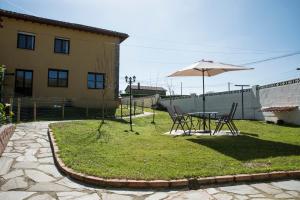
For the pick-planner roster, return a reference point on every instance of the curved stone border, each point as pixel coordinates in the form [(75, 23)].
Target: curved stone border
[(192, 183), (6, 132)]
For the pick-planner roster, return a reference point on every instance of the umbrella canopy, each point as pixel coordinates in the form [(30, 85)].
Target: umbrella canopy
[(206, 68), (209, 68)]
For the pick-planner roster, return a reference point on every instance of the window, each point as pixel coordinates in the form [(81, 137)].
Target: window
[(61, 46), (57, 78), (26, 41), (95, 80), (23, 82)]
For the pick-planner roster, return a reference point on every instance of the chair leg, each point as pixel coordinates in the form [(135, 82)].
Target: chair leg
[(220, 128), (217, 127), (235, 128), (172, 127), (182, 126), (230, 128), (177, 126), (187, 124)]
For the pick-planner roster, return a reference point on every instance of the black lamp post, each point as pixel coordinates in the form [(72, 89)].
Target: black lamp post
[(242, 86), (130, 80)]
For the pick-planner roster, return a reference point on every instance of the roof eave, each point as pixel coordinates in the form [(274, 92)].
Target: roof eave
[(80, 27)]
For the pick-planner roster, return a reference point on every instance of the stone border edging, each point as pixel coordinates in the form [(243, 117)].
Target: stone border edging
[(6, 131), (192, 183)]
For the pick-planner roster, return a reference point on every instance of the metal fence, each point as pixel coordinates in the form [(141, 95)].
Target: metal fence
[(54, 109)]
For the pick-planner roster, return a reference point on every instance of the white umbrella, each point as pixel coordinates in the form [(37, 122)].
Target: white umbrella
[(207, 68)]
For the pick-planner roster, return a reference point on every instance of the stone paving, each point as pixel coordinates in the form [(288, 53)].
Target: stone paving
[(27, 172)]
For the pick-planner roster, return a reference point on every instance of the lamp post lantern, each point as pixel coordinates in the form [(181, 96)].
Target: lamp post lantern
[(130, 80)]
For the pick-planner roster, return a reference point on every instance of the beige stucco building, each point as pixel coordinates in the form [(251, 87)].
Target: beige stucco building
[(46, 58)]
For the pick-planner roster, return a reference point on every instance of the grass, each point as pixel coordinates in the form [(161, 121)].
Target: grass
[(147, 153)]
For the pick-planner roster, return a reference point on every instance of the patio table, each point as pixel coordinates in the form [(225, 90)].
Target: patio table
[(203, 116)]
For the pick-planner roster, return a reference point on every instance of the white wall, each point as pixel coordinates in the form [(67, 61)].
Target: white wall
[(286, 93)]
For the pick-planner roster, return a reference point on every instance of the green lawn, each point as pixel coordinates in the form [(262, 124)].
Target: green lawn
[(148, 154)]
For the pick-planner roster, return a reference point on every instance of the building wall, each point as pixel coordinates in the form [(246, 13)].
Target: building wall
[(286, 93), (89, 52)]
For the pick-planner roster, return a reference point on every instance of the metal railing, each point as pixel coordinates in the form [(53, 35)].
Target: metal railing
[(55, 109)]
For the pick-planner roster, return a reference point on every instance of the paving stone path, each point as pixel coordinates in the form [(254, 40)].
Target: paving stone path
[(27, 172)]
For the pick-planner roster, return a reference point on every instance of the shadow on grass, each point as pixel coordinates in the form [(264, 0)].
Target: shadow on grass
[(289, 125), (250, 134), (246, 148)]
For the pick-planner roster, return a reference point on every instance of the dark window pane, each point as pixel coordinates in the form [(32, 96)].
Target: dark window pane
[(19, 82), (58, 78), (63, 75), (95, 80), (28, 75), (91, 84), (99, 77), (52, 82), (65, 46), (21, 41), (91, 77), (99, 85), (30, 42), (28, 80), (20, 74), (53, 74), (25, 41), (57, 45), (27, 83), (62, 83), (61, 46)]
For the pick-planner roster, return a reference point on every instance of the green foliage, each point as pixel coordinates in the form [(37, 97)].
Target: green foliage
[(2, 70), (5, 114), (150, 154)]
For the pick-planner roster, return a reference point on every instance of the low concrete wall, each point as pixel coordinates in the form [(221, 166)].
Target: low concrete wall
[(146, 101), (286, 93), (6, 132)]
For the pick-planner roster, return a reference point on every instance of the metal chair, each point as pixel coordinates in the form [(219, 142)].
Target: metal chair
[(228, 120), (186, 116), (180, 120)]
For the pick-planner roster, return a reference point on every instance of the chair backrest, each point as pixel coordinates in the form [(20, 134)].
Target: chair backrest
[(232, 111), (178, 110), (171, 112)]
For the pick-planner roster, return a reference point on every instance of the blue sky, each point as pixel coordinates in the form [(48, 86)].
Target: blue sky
[(166, 35)]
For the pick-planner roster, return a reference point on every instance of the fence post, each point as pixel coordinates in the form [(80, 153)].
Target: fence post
[(34, 111), (134, 107), (87, 111), (63, 109), (121, 110), (19, 110)]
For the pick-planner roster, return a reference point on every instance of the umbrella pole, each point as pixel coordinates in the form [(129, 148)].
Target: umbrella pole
[(203, 96)]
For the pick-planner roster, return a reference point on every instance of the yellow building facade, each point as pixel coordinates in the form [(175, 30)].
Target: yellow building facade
[(46, 58)]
